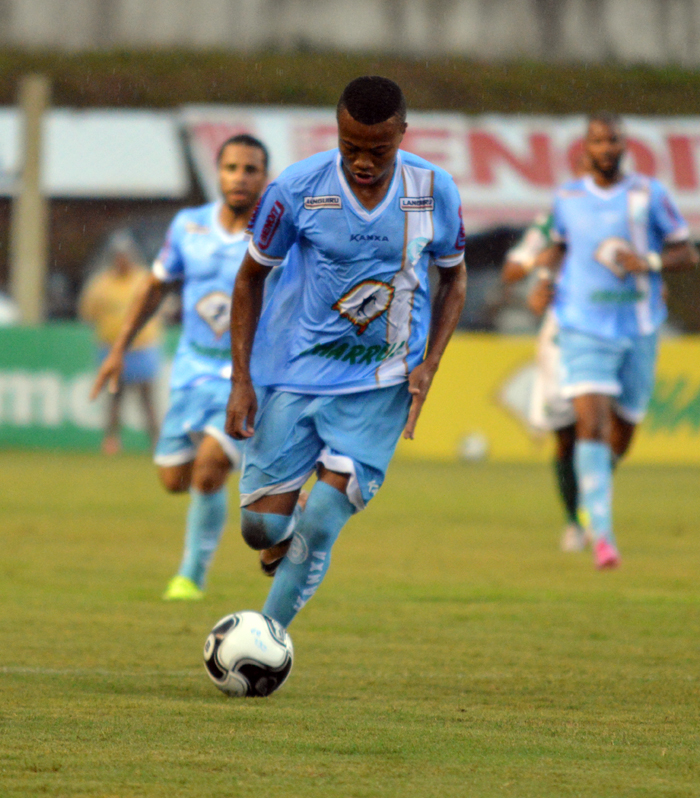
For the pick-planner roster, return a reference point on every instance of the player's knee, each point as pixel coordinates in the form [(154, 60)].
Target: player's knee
[(174, 480), (263, 530), (209, 477)]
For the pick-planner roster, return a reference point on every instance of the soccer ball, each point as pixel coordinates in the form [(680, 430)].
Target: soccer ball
[(248, 654)]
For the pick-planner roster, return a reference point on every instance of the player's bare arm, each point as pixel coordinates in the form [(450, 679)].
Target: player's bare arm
[(245, 312), (547, 263), (675, 257), (145, 303), (447, 306)]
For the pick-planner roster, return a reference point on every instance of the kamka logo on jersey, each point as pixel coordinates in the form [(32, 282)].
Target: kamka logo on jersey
[(364, 303), (271, 224), (215, 310), (409, 204), (369, 237), (319, 203)]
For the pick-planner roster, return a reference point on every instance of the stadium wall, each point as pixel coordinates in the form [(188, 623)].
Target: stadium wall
[(477, 407), (629, 31)]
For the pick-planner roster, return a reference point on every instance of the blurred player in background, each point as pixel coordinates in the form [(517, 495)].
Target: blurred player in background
[(614, 234), (104, 303), (203, 249), (338, 365), (549, 410)]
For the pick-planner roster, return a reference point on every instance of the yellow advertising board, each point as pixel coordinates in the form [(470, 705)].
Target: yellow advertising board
[(478, 404)]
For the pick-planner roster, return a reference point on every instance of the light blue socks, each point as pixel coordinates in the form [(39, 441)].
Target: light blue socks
[(593, 461), (205, 523), (302, 570)]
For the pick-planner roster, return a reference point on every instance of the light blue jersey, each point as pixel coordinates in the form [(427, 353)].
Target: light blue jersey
[(594, 295), (206, 258), (351, 310)]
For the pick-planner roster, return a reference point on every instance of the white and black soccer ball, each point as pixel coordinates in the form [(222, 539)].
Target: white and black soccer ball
[(248, 654)]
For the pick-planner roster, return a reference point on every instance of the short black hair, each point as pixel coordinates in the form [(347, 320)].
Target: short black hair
[(609, 118), (247, 141), (373, 99)]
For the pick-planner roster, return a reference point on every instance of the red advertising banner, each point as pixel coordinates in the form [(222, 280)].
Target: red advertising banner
[(506, 167)]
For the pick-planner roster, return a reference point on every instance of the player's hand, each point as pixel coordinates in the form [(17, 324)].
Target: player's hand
[(110, 373), (541, 296), (419, 382), (632, 263), (240, 411)]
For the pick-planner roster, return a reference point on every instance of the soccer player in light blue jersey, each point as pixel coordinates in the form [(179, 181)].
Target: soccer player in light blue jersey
[(203, 250), (616, 233), (327, 376)]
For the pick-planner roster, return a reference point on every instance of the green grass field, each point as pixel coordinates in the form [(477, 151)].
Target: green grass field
[(452, 650)]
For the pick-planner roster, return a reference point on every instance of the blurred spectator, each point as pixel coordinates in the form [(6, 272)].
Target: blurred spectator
[(104, 303)]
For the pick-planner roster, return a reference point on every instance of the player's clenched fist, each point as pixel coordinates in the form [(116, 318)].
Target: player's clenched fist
[(240, 411)]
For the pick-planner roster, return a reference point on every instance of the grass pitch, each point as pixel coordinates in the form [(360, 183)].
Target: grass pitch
[(452, 650)]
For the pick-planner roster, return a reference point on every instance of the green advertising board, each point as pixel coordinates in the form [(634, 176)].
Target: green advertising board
[(46, 374)]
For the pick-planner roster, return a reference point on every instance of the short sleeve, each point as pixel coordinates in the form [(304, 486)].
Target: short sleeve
[(169, 265), (666, 217), (448, 244), (272, 230)]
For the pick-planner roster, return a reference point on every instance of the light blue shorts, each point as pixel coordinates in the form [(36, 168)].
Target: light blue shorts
[(140, 365), (192, 413), (352, 433), (623, 368)]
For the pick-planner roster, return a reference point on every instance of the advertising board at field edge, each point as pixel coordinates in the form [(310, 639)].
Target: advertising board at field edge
[(477, 407), (506, 167)]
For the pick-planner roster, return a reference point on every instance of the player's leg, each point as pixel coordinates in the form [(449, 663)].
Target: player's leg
[(206, 516), (197, 414), (111, 443), (303, 568), (593, 462), (551, 412), (145, 390), (637, 376), (360, 432), (279, 459), (590, 376), (575, 538)]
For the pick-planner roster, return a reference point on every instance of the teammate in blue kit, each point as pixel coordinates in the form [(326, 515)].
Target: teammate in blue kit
[(337, 365), (616, 232), (203, 249)]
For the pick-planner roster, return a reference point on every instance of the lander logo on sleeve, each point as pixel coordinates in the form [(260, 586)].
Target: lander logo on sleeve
[(271, 224), (417, 204), (364, 303), (319, 203)]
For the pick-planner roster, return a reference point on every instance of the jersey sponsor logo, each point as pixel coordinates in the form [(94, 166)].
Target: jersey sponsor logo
[(355, 354), (365, 302), (364, 237), (409, 204), (318, 203), (271, 224), (215, 310), (607, 253), (197, 229)]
